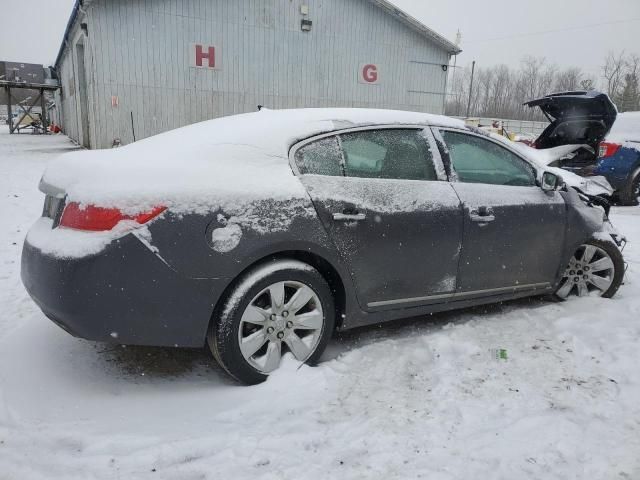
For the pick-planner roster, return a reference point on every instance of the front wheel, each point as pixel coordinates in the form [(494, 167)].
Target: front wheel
[(285, 306), (597, 267)]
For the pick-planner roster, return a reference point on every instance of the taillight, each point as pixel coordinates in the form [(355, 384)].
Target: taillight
[(98, 219), (608, 149)]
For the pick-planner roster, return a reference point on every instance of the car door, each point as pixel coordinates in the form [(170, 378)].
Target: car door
[(395, 222), (513, 230)]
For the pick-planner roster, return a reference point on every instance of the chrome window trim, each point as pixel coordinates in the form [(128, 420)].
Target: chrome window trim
[(424, 129), (461, 295), (536, 168)]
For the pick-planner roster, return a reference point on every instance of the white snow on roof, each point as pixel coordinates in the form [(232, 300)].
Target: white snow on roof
[(626, 128), (417, 25), (242, 157)]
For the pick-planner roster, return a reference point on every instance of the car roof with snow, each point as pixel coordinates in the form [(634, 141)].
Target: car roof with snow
[(241, 155), (274, 131), (626, 128)]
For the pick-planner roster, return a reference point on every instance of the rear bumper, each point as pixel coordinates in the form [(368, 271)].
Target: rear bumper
[(125, 294)]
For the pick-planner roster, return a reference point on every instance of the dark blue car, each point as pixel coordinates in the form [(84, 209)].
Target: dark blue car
[(620, 158)]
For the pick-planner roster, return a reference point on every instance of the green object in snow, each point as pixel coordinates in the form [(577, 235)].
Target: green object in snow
[(499, 353)]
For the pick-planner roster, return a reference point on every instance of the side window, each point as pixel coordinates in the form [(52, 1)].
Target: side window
[(477, 160), (322, 157), (389, 153)]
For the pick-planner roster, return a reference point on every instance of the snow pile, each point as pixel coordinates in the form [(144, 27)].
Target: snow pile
[(226, 238), (223, 161), (626, 128), (383, 196), (545, 157), (68, 243), (425, 398)]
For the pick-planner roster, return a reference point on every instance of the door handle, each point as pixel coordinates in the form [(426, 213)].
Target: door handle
[(349, 217), (482, 215), (482, 218)]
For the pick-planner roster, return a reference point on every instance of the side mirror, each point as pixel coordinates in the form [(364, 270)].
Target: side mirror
[(550, 182)]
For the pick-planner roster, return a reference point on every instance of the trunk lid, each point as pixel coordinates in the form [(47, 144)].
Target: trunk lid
[(576, 118)]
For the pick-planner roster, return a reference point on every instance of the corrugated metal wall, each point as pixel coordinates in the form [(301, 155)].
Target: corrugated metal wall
[(67, 105), (139, 52)]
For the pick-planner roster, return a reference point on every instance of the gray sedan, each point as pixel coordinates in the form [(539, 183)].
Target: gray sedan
[(339, 219)]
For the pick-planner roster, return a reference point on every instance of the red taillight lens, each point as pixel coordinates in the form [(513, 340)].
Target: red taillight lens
[(98, 219), (608, 149)]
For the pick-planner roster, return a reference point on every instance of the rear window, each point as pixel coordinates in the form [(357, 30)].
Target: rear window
[(399, 154), (322, 157)]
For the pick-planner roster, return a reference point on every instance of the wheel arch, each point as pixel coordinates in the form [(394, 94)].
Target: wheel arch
[(338, 285)]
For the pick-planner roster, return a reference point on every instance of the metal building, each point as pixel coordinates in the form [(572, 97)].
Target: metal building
[(133, 68)]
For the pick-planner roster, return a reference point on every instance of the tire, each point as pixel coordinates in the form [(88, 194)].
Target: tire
[(629, 195), (267, 310), (594, 273)]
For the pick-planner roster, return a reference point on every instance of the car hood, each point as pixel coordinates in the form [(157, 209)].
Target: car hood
[(576, 117)]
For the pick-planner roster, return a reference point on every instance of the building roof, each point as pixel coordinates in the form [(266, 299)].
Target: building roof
[(414, 23), (65, 39), (387, 6)]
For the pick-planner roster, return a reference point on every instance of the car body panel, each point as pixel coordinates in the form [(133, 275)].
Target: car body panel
[(407, 245), (125, 294), (518, 248), (621, 167)]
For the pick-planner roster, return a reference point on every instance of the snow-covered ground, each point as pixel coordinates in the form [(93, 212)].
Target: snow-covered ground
[(424, 398)]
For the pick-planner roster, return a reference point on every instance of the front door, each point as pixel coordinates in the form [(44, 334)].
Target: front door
[(513, 230), (396, 224)]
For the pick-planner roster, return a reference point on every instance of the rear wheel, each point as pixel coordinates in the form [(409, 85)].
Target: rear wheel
[(277, 308), (631, 193), (597, 267)]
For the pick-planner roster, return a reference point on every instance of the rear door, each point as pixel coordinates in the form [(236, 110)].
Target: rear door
[(513, 230), (396, 223)]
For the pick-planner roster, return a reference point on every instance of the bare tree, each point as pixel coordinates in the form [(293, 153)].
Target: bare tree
[(629, 98), (568, 80), (613, 71), (500, 91), (587, 84)]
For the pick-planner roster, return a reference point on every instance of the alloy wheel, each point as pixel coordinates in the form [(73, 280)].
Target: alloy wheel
[(591, 269), (285, 316)]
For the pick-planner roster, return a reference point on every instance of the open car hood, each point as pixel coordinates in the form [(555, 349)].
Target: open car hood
[(576, 118), (598, 186)]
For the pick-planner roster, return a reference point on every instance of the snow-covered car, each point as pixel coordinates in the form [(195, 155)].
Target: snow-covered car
[(260, 234)]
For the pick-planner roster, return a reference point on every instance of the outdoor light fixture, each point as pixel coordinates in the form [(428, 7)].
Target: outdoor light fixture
[(305, 25)]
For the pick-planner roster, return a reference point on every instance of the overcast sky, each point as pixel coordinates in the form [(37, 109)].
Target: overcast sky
[(578, 32)]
